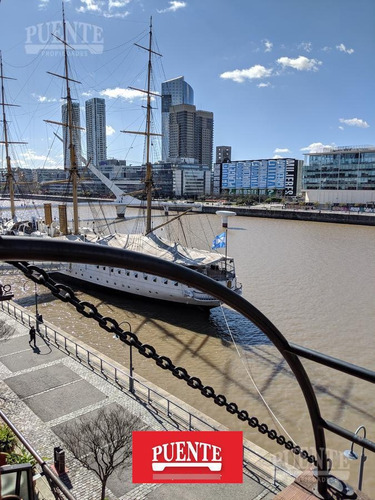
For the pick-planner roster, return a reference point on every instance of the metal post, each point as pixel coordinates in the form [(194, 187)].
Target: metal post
[(36, 307), (361, 467), (131, 380), (351, 455)]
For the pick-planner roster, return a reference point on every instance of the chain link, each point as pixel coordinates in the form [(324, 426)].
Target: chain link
[(66, 294)]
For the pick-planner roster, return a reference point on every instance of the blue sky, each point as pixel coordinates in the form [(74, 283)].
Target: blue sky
[(281, 76)]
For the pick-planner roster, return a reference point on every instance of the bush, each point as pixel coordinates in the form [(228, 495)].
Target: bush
[(7, 439)]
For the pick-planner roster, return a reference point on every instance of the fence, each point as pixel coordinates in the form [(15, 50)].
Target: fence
[(179, 417)]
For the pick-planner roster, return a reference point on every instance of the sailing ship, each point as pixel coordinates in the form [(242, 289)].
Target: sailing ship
[(215, 265)]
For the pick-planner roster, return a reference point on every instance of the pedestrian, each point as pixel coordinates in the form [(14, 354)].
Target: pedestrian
[(32, 334)]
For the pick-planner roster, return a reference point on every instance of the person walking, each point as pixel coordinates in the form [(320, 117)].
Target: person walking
[(32, 334)]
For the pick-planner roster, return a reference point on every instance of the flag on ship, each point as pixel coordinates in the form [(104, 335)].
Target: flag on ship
[(220, 241)]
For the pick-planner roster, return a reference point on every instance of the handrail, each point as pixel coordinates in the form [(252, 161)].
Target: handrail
[(21, 248), (171, 409), (47, 471)]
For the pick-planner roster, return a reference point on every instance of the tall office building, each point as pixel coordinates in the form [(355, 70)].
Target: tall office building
[(190, 134), (96, 141), (204, 137), (173, 93), (76, 134), (223, 154)]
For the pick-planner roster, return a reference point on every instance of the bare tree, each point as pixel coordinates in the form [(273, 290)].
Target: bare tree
[(102, 444)]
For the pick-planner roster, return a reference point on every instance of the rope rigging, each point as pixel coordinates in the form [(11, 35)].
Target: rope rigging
[(87, 309)]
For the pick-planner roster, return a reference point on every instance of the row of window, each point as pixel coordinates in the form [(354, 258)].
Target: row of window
[(135, 274)]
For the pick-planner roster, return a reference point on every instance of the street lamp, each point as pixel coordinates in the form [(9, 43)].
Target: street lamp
[(352, 455), (36, 307), (38, 317), (131, 368)]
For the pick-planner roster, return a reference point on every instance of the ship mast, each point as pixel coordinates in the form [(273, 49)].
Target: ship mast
[(6, 142), (148, 133), (73, 170)]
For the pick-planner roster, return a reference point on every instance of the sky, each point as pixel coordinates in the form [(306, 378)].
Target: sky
[(282, 77)]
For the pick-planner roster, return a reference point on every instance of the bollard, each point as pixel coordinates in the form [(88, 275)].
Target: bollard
[(59, 460)]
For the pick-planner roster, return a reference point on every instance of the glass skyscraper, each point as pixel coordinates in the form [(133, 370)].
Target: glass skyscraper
[(96, 140), (173, 93)]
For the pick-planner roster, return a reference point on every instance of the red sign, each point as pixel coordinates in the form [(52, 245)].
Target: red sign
[(187, 457)]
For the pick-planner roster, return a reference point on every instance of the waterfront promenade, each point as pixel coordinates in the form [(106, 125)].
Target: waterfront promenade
[(60, 380)]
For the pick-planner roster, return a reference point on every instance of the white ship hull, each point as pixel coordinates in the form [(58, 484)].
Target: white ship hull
[(140, 284), (213, 265)]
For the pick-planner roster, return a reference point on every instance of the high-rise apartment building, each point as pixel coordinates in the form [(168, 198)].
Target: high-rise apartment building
[(190, 134), (173, 93), (223, 154), (96, 141), (76, 134), (204, 137)]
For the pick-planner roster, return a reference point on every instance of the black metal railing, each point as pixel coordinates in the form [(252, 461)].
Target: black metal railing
[(20, 249)]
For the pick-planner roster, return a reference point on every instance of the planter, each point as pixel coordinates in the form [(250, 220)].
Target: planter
[(3, 458)]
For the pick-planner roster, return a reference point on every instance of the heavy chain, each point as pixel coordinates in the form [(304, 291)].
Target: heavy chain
[(66, 294)]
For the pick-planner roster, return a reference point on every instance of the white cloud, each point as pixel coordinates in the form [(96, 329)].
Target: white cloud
[(109, 130), (282, 150), (317, 147), (105, 8), (127, 94), (341, 127), (354, 122), (268, 45), (253, 73), (91, 6), (117, 4), (38, 161), (301, 63), (43, 4), (43, 98), (119, 15), (87, 94), (306, 46), (276, 157), (342, 48), (263, 85), (173, 6)]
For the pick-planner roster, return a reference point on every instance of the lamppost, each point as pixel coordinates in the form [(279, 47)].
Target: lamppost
[(352, 455), (131, 368), (38, 318), (36, 307)]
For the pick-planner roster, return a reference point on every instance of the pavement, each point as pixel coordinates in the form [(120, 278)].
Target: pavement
[(42, 388)]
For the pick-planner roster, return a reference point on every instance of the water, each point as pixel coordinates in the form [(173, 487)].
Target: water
[(314, 281)]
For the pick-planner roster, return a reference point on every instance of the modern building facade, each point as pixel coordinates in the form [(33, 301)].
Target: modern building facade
[(191, 181), (173, 92), (96, 141), (76, 134), (181, 179), (278, 177), (190, 134), (204, 137), (340, 175), (223, 154)]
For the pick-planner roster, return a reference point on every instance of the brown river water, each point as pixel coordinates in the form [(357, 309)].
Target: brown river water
[(314, 281)]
